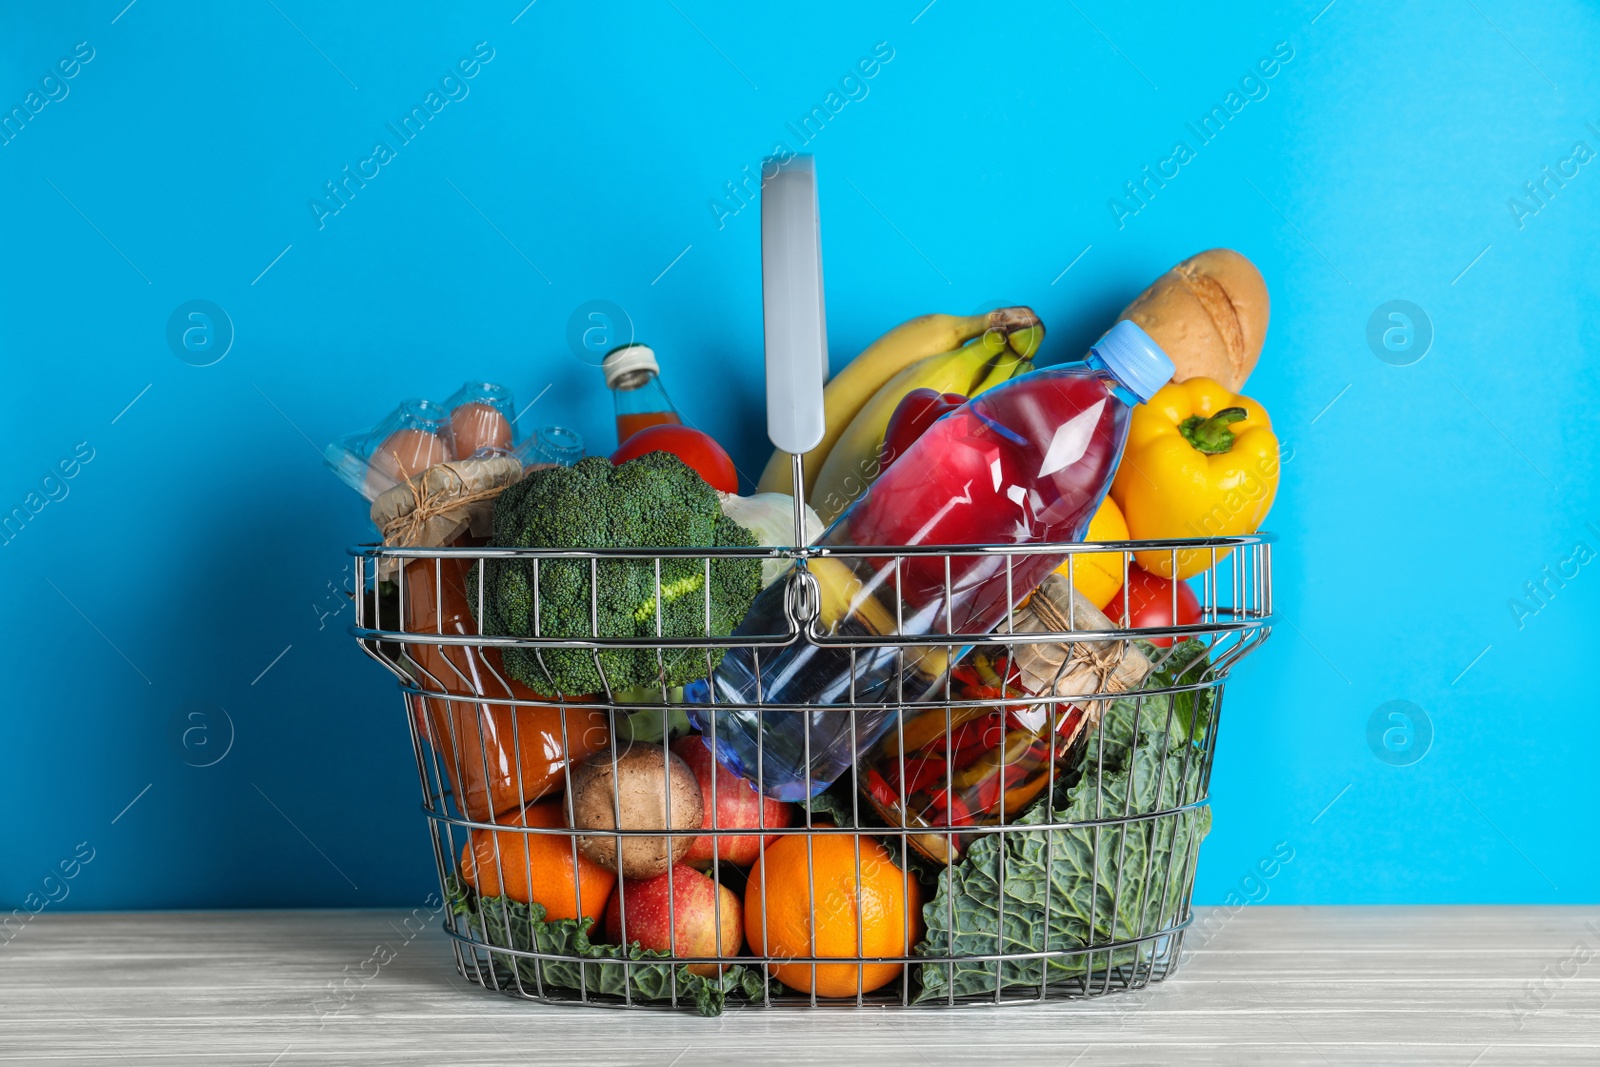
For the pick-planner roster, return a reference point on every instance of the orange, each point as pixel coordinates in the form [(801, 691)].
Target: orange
[(1098, 575), (537, 868), (782, 900)]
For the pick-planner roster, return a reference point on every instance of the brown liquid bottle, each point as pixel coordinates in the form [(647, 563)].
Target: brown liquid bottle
[(498, 757), (634, 378)]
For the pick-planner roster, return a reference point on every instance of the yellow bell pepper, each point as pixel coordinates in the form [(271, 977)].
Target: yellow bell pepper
[(1098, 575), (1201, 461)]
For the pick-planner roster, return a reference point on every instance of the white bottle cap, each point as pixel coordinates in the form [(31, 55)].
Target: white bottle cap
[(626, 360)]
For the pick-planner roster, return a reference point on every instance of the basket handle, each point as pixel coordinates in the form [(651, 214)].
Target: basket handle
[(796, 332)]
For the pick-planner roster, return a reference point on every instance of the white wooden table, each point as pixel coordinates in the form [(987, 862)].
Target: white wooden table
[(1273, 985)]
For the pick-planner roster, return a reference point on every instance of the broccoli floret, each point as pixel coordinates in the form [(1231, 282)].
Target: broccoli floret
[(654, 501)]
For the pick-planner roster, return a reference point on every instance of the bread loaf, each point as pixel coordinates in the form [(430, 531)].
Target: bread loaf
[(1209, 313)]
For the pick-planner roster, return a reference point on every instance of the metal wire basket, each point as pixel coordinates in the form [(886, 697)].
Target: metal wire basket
[(1082, 889)]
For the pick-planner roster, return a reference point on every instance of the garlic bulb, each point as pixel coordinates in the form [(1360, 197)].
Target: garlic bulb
[(770, 517)]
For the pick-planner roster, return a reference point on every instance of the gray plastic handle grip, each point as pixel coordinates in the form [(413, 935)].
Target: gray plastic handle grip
[(792, 306)]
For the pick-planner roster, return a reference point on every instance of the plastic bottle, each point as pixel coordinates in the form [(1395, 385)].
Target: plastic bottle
[(480, 419), (1024, 463), (550, 446), (409, 440), (634, 378)]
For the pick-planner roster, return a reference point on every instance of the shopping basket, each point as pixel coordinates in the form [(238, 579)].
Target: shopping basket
[(1079, 889)]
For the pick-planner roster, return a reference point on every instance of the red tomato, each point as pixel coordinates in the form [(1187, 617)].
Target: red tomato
[(1151, 599), (693, 447)]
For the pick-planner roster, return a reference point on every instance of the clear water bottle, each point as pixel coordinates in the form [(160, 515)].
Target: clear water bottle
[(1024, 463)]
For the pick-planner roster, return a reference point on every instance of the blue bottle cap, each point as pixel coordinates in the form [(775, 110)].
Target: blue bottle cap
[(1135, 359)]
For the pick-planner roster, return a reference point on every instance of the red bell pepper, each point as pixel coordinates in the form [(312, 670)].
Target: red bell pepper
[(881, 791), (973, 739), (916, 411), (987, 794), (966, 676), (921, 772), (953, 809)]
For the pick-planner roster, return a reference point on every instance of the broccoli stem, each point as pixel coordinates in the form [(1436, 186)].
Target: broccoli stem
[(670, 591)]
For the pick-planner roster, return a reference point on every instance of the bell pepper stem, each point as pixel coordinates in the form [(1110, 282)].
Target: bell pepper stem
[(1212, 435)]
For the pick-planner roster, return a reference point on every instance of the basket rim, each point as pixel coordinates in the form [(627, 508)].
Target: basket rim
[(1248, 624), (598, 702), (373, 550)]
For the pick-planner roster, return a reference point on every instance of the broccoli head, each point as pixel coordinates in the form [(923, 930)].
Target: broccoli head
[(654, 501)]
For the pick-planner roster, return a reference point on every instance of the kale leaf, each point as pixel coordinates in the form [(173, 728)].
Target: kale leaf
[(599, 969), (837, 803)]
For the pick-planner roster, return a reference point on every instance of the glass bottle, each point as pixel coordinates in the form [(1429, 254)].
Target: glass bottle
[(634, 378)]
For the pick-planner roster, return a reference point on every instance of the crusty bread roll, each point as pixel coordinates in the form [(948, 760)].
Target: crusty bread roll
[(1209, 313)]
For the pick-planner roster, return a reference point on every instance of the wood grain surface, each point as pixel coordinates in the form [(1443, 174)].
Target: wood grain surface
[(1274, 985)]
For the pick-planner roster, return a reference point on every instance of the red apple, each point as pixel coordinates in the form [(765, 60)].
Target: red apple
[(694, 904), (738, 807)]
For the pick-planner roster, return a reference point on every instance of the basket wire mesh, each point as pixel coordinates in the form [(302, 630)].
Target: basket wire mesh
[(486, 747)]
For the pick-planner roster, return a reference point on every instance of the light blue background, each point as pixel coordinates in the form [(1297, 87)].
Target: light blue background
[(200, 541)]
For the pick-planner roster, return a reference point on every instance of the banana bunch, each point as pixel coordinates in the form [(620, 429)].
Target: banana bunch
[(947, 353)]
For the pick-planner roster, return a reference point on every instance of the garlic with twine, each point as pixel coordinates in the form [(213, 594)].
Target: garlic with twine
[(1078, 668)]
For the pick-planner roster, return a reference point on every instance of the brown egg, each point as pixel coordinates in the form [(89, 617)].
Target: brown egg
[(403, 453), (476, 426)]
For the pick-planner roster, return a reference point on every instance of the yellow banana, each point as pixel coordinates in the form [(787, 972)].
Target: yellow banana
[(855, 385), (1006, 366), (856, 458), (1026, 341)]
